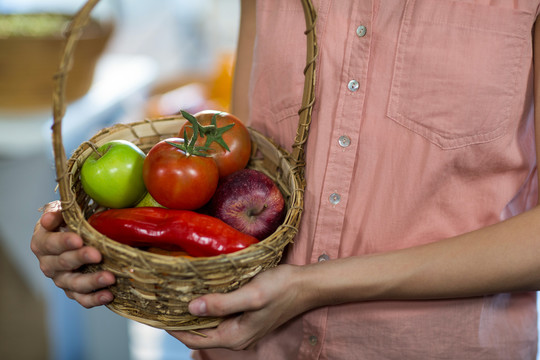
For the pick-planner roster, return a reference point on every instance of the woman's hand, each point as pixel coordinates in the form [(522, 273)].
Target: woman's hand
[(61, 254), (268, 301), (500, 258)]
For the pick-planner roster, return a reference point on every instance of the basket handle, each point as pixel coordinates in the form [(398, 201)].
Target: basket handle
[(308, 98), (74, 33)]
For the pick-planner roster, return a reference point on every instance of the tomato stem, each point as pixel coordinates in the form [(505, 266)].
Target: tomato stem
[(189, 147), (212, 132)]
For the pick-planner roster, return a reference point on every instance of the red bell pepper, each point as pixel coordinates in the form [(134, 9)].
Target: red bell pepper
[(196, 234)]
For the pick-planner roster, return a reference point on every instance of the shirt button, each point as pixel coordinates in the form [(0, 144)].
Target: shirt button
[(334, 198), (344, 141), (313, 340), (323, 257), (353, 85), (361, 31)]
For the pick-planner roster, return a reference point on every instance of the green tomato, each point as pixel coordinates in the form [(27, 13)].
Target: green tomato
[(113, 178)]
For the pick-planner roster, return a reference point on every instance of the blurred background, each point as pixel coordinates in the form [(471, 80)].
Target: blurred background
[(140, 59)]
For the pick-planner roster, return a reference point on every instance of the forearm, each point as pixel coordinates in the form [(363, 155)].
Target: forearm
[(501, 258)]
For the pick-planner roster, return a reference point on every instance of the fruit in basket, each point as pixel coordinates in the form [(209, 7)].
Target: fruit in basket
[(148, 201), (226, 137), (112, 174), (250, 202), (178, 175), (194, 233)]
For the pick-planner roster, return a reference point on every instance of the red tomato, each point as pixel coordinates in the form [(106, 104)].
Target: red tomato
[(236, 138), (178, 180)]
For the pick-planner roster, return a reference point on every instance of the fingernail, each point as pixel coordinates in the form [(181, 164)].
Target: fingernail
[(197, 307)]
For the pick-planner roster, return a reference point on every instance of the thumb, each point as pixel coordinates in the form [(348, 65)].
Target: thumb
[(244, 299)]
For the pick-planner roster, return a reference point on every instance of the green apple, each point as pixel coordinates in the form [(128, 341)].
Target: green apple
[(112, 176), (148, 201)]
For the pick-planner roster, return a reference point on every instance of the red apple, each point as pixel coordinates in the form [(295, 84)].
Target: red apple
[(250, 202)]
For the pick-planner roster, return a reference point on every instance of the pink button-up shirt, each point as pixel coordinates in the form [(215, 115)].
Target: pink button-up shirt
[(422, 130)]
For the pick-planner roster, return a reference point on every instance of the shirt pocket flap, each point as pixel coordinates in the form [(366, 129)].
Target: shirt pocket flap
[(456, 70)]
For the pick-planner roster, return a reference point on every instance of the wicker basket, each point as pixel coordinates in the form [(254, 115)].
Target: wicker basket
[(156, 289), (29, 62)]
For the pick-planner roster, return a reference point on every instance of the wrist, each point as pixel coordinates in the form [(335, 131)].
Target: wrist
[(339, 281), (322, 284)]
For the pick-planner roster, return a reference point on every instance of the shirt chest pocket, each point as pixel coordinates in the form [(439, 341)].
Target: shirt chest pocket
[(457, 70)]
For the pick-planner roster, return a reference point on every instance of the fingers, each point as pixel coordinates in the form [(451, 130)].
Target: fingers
[(84, 283), (52, 265), (59, 251), (62, 269), (46, 240), (87, 289), (99, 298), (262, 305), (224, 336), (61, 254), (261, 291), (52, 216), (54, 243), (237, 332), (248, 298), (233, 333)]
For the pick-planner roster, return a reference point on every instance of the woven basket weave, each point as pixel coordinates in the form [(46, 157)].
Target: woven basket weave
[(155, 289)]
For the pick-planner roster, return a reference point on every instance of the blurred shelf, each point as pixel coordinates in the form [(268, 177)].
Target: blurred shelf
[(117, 80)]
